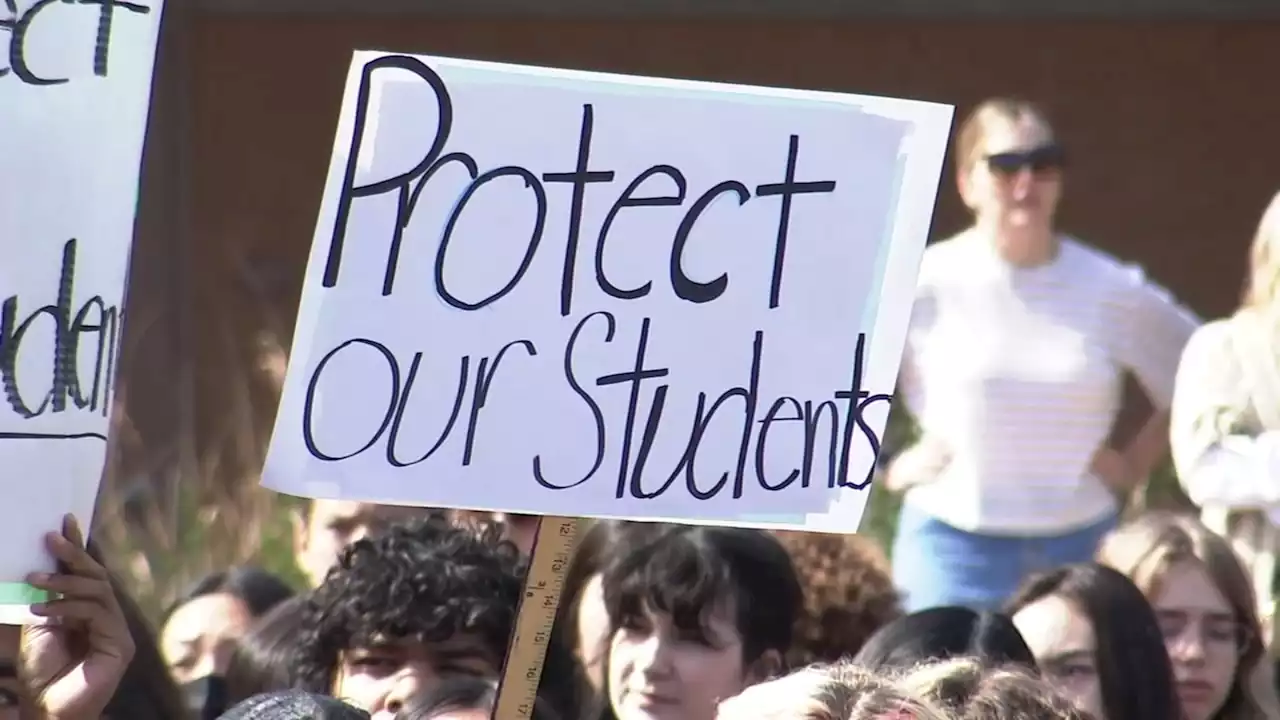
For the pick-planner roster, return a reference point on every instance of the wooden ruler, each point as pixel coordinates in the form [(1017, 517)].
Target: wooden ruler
[(553, 548)]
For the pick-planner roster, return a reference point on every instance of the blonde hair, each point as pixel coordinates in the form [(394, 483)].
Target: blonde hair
[(842, 691), (973, 131), (1262, 290), (972, 690), (1146, 548)]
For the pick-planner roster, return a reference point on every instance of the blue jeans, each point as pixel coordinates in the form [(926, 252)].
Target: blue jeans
[(935, 564)]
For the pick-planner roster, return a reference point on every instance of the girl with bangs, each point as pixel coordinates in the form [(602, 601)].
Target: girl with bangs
[(697, 615), (1204, 603)]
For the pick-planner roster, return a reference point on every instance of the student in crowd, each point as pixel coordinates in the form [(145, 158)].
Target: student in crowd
[(464, 697), (697, 614), (942, 633), (262, 660), (1097, 641), (829, 692), (1019, 339), (1225, 424), (969, 689), (407, 606), (1204, 603), (325, 527), (848, 593), (581, 629), (200, 629)]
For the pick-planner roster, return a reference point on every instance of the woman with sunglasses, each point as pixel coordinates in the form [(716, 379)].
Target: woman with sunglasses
[(1020, 338)]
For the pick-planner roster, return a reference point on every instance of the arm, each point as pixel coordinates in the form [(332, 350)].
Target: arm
[(1149, 446), (1219, 461), (925, 457), (1151, 331)]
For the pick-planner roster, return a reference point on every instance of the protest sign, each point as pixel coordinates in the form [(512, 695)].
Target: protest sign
[(75, 82), (581, 294)]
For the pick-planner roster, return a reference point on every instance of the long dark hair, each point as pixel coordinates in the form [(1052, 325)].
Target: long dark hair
[(263, 657), (943, 633), (259, 590), (1134, 672), (578, 698)]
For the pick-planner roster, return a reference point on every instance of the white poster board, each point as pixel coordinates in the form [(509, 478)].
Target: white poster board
[(75, 83), (571, 293)]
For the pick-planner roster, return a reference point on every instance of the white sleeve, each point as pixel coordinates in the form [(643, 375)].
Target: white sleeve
[(1152, 330), (1237, 472), (1218, 461)]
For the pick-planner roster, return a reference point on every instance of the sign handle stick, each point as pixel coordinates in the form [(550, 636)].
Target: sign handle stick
[(557, 538)]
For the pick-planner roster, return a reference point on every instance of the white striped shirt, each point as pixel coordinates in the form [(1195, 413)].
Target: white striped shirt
[(1018, 371)]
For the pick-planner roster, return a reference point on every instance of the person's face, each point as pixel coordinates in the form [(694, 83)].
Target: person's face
[(1015, 181), (593, 631), (1202, 635), (199, 637), (1062, 640), (384, 677), (656, 671), (332, 525)]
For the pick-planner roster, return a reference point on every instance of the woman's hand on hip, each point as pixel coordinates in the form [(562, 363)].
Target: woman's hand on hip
[(919, 464), (1115, 470)]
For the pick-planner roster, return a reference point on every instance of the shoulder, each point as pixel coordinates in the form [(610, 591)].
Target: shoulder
[(942, 258), (1102, 265), (1210, 344)]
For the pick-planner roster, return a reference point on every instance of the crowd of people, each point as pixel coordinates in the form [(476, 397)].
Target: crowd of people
[(1015, 589), (412, 618)]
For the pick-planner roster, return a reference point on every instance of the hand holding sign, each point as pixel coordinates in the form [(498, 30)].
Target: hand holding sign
[(74, 664)]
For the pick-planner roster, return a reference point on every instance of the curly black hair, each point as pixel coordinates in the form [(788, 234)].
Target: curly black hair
[(427, 580)]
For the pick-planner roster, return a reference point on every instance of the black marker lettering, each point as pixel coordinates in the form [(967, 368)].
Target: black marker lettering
[(18, 47), (656, 407), (685, 287), (596, 413), (770, 417), (540, 196), (308, 408), (812, 420), (749, 397), (579, 178), (464, 373), (855, 396), (105, 327), (639, 373), (870, 435), (787, 189), (21, 23), (625, 200), (484, 379), (350, 191), (406, 201), (103, 40), (63, 380), (635, 444)]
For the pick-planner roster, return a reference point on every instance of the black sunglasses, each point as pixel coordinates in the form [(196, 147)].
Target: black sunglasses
[(1037, 160)]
